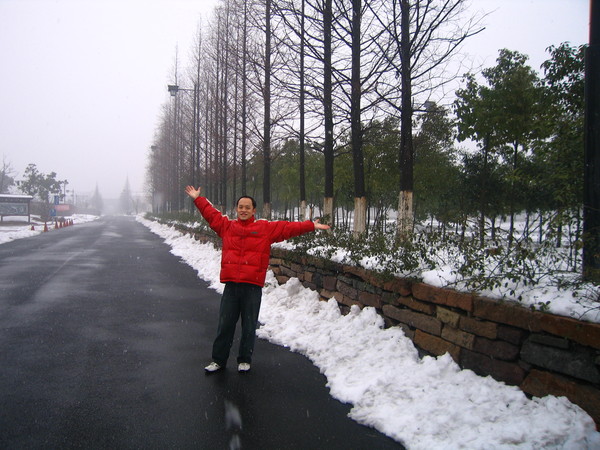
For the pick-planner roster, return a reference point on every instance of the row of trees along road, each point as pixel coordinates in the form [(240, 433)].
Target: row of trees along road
[(315, 71), (282, 95)]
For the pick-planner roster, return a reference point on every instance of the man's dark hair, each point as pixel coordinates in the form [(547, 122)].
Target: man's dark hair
[(246, 196)]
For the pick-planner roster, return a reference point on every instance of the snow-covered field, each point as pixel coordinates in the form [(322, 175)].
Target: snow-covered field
[(427, 403), (18, 228)]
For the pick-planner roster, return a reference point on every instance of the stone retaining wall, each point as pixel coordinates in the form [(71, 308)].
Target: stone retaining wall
[(539, 352)]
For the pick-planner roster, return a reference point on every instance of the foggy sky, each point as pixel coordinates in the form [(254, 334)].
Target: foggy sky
[(82, 81)]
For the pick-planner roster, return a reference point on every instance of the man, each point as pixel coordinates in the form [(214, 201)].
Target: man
[(244, 261)]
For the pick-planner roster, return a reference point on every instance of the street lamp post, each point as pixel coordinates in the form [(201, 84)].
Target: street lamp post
[(173, 89), (591, 201)]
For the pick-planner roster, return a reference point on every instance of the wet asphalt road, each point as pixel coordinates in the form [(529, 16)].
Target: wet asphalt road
[(103, 338)]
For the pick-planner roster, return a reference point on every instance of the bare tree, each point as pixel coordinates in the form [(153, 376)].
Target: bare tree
[(267, 115), (6, 175), (359, 31), (423, 35)]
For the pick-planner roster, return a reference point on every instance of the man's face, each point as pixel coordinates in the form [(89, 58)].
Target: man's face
[(245, 210)]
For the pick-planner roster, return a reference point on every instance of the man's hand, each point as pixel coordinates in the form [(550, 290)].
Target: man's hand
[(321, 226), (192, 192)]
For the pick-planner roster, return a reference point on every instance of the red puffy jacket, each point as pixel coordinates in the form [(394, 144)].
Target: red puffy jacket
[(247, 243)]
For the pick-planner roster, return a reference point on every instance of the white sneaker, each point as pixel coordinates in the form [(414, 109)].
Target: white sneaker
[(243, 367), (213, 367)]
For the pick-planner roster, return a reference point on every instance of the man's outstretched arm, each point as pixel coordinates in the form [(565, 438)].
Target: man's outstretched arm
[(213, 216), (192, 192), (321, 226)]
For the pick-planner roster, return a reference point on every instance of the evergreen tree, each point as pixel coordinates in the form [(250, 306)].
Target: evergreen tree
[(505, 117), (436, 171), (559, 159), (96, 202), (126, 200)]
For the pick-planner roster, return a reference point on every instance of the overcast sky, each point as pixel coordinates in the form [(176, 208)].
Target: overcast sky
[(82, 81)]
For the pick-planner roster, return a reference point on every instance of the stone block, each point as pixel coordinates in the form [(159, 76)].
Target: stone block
[(279, 253), (585, 333), (317, 279), (423, 322), (326, 293), (369, 299), (550, 341), (346, 280), (347, 290), (308, 276), (448, 316), (511, 334), (281, 279), (436, 345), (288, 272), (578, 362), (479, 327), (483, 365), (345, 300), (507, 313), (390, 298), (496, 349), (308, 285), (458, 337), (442, 296), (540, 383), (329, 283), (400, 286), (407, 331), (425, 308), (359, 272)]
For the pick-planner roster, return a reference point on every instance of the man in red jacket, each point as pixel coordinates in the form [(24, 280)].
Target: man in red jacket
[(244, 262)]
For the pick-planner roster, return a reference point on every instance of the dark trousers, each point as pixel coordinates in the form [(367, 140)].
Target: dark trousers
[(239, 299)]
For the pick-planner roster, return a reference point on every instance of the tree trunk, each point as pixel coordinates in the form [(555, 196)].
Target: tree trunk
[(328, 209), (302, 213), (244, 97), (360, 200), (360, 216), (405, 203), (302, 121), (328, 110), (405, 214), (483, 191), (267, 117), (511, 232)]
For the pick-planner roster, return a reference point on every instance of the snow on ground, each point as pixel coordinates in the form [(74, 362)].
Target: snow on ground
[(18, 228), (427, 403)]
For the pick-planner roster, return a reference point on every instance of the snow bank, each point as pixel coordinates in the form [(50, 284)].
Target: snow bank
[(424, 403)]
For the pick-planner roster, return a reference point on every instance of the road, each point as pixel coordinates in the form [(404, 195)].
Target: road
[(103, 338)]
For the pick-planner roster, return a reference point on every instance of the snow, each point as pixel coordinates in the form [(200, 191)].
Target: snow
[(17, 227), (427, 403)]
